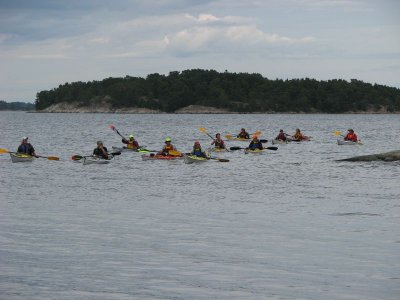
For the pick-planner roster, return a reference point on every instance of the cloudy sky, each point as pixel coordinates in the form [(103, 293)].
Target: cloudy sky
[(45, 43)]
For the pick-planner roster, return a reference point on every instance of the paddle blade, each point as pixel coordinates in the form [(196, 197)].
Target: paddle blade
[(76, 157), (257, 133), (235, 148), (228, 136), (264, 141), (271, 148), (174, 153), (112, 127), (116, 153), (53, 158), (2, 151), (337, 132), (202, 129)]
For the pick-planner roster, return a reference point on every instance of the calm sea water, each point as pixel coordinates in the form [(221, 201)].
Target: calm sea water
[(287, 224)]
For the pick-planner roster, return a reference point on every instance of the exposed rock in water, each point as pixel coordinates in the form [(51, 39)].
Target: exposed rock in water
[(388, 156)]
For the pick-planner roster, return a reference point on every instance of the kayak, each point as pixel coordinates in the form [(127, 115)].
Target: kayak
[(125, 149), (20, 157), (233, 138), (217, 149), (189, 159), (159, 157), (90, 160), (280, 142), (254, 151), (343, 142)]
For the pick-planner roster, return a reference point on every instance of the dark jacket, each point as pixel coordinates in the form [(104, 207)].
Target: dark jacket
[(97, 151), (26, 148)]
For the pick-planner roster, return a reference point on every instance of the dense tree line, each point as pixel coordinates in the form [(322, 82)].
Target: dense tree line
[(16, 106), (240, 92)]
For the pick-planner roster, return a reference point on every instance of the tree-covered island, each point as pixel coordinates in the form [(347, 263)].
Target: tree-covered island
[(229, 92)]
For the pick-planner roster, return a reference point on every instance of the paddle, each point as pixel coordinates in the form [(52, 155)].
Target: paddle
[(241, 148), (2, 151), (174, 153), (230, 137), (218, 159), (202, 129), (79, 157), (116, 131)]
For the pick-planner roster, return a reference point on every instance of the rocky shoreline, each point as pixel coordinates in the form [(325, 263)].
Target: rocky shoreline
[(104, 107)]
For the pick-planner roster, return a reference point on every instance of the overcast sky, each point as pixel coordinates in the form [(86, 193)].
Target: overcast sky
[(45, 43)]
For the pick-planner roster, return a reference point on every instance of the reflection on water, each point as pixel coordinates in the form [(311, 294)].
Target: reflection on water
[(286, 224)]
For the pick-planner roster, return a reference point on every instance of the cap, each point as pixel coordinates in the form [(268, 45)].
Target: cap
[(25, 138), (168, 139), (350, 130)]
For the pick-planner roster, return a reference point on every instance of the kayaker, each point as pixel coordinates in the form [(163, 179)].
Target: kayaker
[(197, 150), (26, 147), (298, 136), (100, 150), (351, 136), (281, 136), (255, 143), (218, 142), (131, 143), (167, 147), (243, 134)]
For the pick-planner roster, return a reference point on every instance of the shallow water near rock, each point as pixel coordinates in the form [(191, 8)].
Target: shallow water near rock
[(287, 224)]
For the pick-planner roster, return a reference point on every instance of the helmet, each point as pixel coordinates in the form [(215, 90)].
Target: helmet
[(131, 136), (168, 139)]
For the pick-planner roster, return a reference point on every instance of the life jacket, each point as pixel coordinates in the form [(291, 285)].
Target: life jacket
[(281, 136), (168, 148), (197, 152), (351, 137), (219, 144), (132, 145), (298, 136), (26, 148), (255, 145)]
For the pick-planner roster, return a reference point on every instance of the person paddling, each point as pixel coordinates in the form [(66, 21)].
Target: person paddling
[(197, 151), (281, 136), (26, 148), (100, 150), (255, 143), (300, 136), (243, 134), (218, 142), (131, 143), (167, 147), (351, 136)]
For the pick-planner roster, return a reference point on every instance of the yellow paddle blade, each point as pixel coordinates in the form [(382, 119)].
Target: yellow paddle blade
[(337, 132), (174, 153), (53, 158), (202, 129), (228, 136), (257, 133), (2, 151)]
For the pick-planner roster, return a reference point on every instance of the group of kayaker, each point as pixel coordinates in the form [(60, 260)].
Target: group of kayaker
[(255, 143)]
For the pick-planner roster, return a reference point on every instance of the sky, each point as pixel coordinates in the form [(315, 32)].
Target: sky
[(45, 43)]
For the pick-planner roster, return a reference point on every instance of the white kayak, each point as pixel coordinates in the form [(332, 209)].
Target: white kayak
[(279, 142), (343, 142), (95, 160), (21, 157), (190, 159)]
